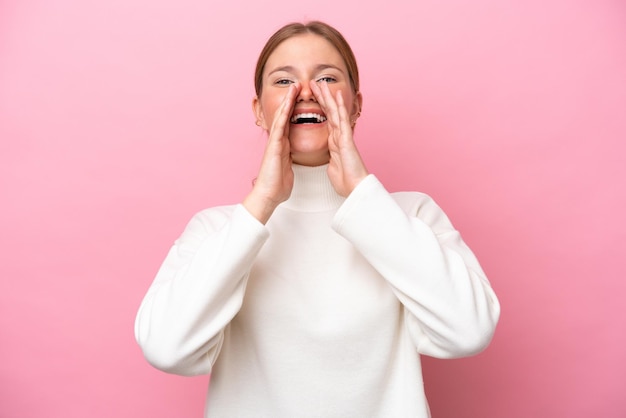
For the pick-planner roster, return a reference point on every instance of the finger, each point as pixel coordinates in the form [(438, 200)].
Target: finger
[(315, 88), (321, 97), (344, 117), (339, 116), (280, 125), (330, 105)]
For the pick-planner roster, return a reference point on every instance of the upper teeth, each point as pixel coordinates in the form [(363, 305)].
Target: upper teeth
[(316, 116)]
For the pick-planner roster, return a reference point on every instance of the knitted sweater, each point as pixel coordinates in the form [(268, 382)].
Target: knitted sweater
[(324, 311)]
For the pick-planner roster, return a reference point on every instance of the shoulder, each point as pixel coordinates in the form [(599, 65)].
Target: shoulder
[(413, 202), (420, 205), (211, 219), (215, 213)]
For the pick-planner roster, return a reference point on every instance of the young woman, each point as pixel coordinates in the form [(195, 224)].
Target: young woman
[(317, 294)]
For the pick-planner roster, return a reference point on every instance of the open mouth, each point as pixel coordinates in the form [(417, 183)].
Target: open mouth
[(302, 118)]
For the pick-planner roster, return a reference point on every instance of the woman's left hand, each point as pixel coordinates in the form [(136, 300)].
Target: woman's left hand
[(346, 168)]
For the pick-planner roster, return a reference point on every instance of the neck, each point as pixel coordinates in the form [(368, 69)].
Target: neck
[(312, 190)]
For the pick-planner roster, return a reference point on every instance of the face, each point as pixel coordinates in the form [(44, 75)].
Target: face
[(302, 59)]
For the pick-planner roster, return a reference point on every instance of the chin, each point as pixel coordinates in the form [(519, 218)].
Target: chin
[(310, 159), (309, 149)]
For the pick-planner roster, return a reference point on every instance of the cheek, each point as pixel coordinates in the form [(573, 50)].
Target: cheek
[(269, 107), (348, 99)]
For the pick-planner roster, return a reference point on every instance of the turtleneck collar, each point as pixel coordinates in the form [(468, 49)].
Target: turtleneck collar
[(312, 190)]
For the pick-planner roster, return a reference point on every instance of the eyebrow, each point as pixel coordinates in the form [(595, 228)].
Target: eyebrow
[(291, 69)]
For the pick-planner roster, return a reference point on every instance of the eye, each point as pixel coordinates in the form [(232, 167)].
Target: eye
[(283, 81), (327, 79)]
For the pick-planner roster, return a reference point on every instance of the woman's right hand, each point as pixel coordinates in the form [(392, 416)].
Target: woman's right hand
[(275, 180)]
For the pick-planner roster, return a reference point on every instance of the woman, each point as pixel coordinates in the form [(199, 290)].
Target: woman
[(315, 296)]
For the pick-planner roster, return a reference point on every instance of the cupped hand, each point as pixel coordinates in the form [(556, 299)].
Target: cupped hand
[(346, 168), (275, 180)]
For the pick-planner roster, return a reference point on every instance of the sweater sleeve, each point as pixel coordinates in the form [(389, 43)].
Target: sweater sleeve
[(198, 290), (449, 305)]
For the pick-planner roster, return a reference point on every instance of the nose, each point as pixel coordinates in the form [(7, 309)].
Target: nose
[(305, 94)]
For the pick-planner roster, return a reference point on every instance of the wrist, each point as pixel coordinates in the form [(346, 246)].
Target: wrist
[(259, 207)]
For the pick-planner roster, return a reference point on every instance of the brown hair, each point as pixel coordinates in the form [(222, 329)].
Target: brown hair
[(322, 29)]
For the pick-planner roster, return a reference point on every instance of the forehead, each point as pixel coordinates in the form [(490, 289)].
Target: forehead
[(304, 50)]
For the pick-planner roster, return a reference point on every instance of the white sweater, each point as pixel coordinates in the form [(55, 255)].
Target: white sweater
[(324, 311)]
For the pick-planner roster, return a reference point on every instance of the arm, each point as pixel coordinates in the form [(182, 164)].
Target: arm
[(201, 284), (450, 308), (198, 290)]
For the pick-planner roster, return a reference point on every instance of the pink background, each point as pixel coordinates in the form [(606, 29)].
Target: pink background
[(119, 119)]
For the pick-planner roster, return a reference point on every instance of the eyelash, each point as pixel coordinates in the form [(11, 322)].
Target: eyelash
[(284, 81)]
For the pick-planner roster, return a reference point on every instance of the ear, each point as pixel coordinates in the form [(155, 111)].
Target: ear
[(357, 106), (258, 113)]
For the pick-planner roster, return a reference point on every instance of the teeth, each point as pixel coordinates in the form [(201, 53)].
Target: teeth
[(315, 116)]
